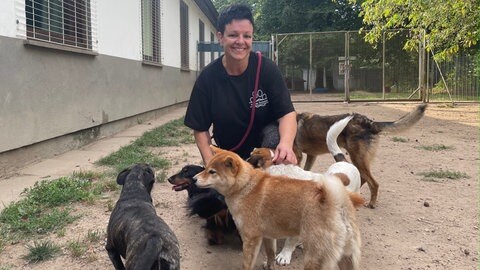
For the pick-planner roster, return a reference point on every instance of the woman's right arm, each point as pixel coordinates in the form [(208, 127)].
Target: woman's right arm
[(203, 141)]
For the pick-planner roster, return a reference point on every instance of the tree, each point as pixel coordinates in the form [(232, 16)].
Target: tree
[(289, 16), (448, 26)]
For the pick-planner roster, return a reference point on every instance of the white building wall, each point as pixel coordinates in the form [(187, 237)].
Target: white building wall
[(119, 29), (8, 20), (171, 33), (194, 33)]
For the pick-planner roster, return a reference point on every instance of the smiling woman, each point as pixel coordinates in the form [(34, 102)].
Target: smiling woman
[(224, 94), (237, 44)]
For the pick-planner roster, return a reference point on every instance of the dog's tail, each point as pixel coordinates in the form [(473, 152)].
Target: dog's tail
[(356, 198), (405, 122), (332, 136)]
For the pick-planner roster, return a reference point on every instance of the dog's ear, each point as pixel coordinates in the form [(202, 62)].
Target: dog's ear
[(122, 176), (256, 161), (216, 150), (232, 164)]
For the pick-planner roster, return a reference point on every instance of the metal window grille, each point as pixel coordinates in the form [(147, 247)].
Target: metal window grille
[(184, 53), (201, 38), (64, 22), (151, 48)]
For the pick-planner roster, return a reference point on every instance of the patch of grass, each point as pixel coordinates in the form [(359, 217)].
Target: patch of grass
[(434, 147), (41, 251), (441, 174), (76, 248), (3, 237), (94, 236), (172, 133), (161, 176), (110, 185), (43, 208), (61, 232), (110, 205), (61, 191), (27, 218), (132, 154), (88, 175), (399, 139)]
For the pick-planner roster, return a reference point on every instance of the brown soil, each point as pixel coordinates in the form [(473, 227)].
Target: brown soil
[(418, 224)]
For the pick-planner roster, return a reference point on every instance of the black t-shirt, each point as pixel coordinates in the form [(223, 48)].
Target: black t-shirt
[(225, 101)]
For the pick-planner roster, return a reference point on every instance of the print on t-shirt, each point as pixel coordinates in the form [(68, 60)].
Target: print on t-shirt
[(262, 99)]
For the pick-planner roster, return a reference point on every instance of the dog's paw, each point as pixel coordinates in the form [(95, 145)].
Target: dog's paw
[(268, 267), (370, 205), (283, 258)]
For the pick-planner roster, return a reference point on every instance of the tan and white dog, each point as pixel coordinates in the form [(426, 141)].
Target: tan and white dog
[(266, 207), (346, 172)]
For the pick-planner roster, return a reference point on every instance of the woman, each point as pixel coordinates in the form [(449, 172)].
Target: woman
[(223, 94)]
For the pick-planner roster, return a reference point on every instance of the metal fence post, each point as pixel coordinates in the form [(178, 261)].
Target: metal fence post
[(383, 65), (347, 67)]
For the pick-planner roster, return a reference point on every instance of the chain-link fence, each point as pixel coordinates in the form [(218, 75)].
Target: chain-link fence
[(342, 66), (453, 79)]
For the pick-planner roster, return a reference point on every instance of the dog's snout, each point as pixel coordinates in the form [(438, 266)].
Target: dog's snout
[(194, 179)]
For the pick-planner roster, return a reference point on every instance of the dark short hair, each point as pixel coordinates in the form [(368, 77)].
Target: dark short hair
[(233, 12)]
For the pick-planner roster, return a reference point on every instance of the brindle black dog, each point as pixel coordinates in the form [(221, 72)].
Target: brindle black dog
[(134, 231)]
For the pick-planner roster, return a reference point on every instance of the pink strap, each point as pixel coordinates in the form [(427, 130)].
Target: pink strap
[(252, 112)]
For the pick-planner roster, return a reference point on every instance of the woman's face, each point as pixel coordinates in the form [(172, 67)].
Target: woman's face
[(237, 39)]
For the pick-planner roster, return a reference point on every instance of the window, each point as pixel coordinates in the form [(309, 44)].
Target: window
[(65, 22), (201, 39), (184, 52), (151, 31)]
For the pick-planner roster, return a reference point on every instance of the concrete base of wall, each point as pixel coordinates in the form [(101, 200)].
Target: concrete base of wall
[(13, 160)]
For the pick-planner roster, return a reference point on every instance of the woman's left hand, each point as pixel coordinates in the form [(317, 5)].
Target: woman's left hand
[(284, 155)]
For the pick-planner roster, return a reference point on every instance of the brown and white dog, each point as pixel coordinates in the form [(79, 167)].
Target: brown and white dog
[(321, 213), (359, 139), (346, 172)]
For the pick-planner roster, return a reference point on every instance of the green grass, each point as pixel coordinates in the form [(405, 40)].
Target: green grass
[(444, 174), (172, 133), (399, 139), (94, 236), (60, 191), (162, 176), (45, 206), (4, 235), (76, 248), (41, 251), (132, 154), (435, 147)]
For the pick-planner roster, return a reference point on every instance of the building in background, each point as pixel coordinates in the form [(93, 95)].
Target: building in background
[(74, 70)]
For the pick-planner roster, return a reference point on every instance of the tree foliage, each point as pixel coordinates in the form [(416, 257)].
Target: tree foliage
[(290, 16), (448, 26)]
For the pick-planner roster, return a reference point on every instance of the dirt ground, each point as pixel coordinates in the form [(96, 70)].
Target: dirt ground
[(418, 224)]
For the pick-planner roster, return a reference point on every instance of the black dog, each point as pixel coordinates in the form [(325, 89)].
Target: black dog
[(134, 231), (207, 203)]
